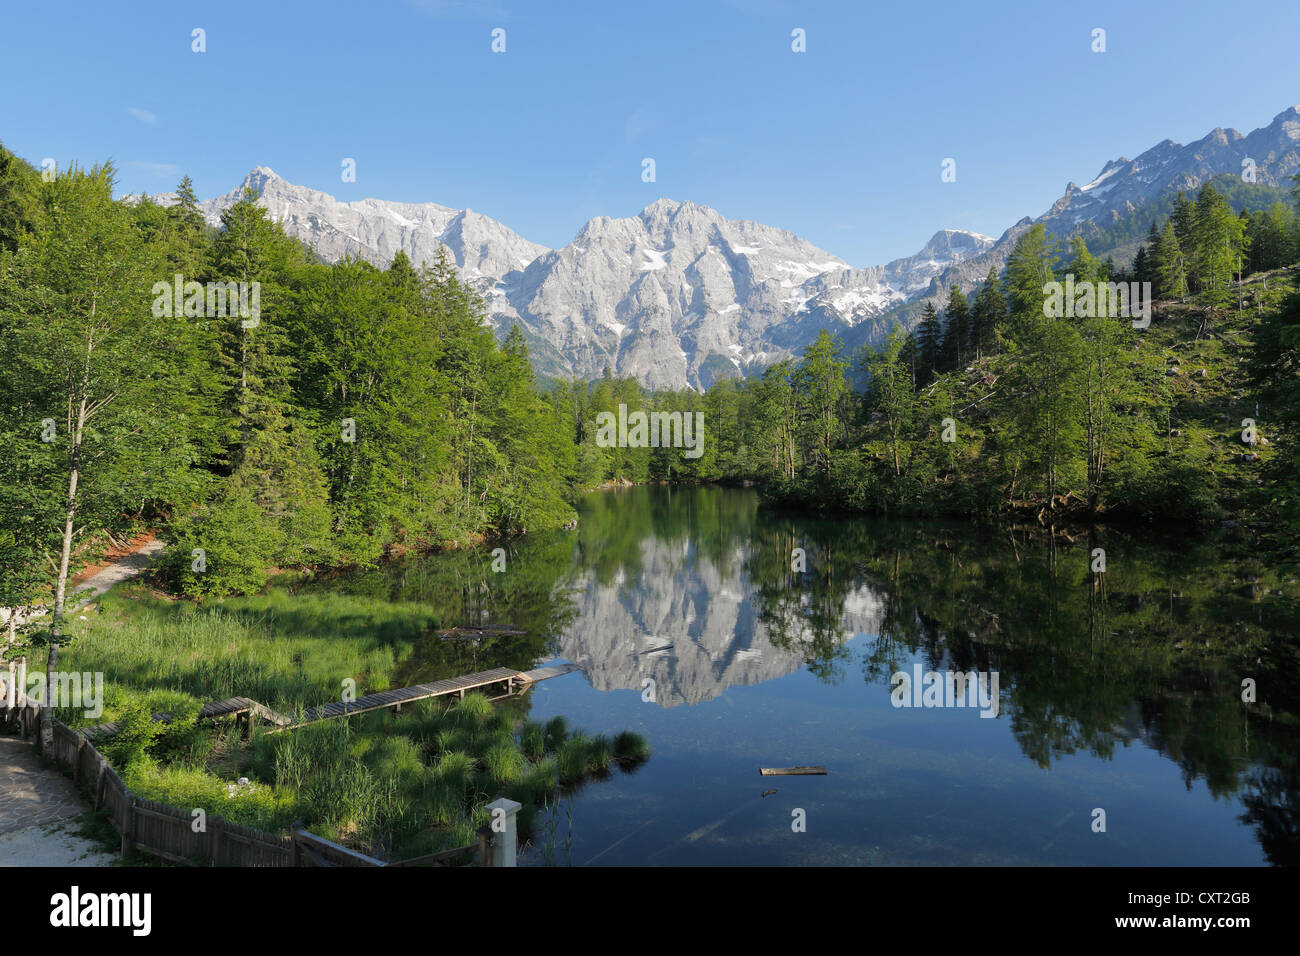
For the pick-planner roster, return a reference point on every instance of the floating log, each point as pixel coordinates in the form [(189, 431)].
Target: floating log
[(478, 633), (792, 771), (767, 793)]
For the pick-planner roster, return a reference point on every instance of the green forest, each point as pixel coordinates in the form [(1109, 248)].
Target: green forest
[(989, 409), (363, 411)]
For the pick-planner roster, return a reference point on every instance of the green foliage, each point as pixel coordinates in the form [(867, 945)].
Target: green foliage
[(629, 745), (136, 733), (237, 541), (354, 411)]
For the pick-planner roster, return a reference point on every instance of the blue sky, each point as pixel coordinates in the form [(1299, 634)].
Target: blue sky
[(842, 144)]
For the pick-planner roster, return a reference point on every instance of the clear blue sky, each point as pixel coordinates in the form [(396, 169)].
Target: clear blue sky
[(841, 144)]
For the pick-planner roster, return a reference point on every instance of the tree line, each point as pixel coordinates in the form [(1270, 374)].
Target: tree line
[(991, 407), (359, 410), (364, 410)]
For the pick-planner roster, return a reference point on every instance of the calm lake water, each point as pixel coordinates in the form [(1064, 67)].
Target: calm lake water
[(1120, 692)]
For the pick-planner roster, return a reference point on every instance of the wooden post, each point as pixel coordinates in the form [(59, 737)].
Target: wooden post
[(297, 847), (99, 782), (128, 828), (214, 839), (47, 705), (76, 759), (24, 717), (505, 838), (484, 846)]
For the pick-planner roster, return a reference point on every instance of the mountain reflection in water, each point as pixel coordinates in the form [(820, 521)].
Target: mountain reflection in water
[(694, 629)]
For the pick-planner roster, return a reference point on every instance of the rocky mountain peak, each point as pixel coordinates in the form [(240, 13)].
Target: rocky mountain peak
[(681, 295)]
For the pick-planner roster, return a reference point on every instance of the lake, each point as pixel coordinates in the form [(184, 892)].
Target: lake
[(1120, 736)]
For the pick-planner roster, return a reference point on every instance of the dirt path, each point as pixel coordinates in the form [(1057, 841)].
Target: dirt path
[(126, 567), (37, 804)]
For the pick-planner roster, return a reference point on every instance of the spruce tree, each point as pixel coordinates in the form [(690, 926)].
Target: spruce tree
[(956, 331), (929, 338), (1029, 268), (987, 314), (1170, 265)]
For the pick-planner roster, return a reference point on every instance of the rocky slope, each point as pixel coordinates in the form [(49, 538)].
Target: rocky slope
[(680, 295)]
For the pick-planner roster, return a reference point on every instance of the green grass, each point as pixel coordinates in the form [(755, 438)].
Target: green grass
[(284, 650), (571, 759), (532, 738), (399, 785), (389, 785), (629, 746)]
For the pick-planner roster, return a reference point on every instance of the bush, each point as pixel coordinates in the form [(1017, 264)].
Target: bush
[(237, 541), (136, 732)]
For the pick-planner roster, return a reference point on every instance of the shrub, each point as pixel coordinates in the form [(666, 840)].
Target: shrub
[(136, 732), (238, 544)]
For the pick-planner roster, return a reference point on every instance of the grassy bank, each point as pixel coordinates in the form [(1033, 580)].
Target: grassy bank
[(392, 785)]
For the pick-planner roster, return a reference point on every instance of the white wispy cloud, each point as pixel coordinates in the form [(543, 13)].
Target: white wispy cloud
[(144, 116)]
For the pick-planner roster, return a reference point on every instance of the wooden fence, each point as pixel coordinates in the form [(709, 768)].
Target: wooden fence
[(182, 836)]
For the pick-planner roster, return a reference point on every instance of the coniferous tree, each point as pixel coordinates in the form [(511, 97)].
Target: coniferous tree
[(1183, 219), (1218, 240), (1170, 265), (1041, 407), (1083, 264), (908, 356), (1141, 265), (1030, 268), (956, 331), (929, 340), (987, 313)]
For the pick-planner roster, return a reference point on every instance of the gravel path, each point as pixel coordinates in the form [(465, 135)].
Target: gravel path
[(37, 803)]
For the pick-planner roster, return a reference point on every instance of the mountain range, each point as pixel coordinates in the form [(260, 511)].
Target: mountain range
[(679, 295)]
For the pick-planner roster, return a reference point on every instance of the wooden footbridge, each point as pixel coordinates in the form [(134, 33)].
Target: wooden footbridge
[(507, 681)]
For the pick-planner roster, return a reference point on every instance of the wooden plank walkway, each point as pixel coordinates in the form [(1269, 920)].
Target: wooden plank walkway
[(543, 673), (230, 707), (407, 695), (513, 681)]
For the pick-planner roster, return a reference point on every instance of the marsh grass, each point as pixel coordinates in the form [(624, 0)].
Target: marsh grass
[(532, 739), (403, 785), (285, 650), (629, 747)]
